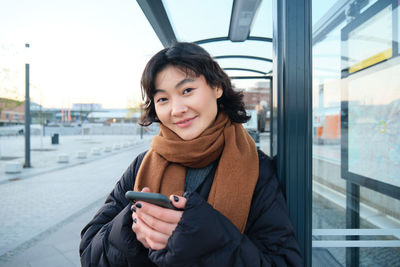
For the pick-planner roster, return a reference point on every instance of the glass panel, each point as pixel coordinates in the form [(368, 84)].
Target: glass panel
[(214, 22), (262, 24), (258, 65), (248, 48), (320, 9), (356, 129), (197, 20), (257, 99)]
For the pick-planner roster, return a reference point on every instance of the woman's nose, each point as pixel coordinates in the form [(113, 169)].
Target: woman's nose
[(178, 108)]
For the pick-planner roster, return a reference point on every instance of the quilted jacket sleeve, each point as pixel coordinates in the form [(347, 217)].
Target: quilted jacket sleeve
[(204, 237), (108, 239)]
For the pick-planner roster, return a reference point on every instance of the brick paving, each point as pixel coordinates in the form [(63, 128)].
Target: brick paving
[(43, 212)]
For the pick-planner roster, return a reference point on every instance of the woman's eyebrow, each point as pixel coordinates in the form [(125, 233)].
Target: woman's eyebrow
[(158, 91), (187, 80)]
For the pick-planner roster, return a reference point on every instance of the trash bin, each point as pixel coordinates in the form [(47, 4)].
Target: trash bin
[(54, 139)]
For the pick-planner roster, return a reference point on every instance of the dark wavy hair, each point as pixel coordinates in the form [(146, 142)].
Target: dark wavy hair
[(194, 61)]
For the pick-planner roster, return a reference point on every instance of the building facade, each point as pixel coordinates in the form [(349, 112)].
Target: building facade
[(12, 112)]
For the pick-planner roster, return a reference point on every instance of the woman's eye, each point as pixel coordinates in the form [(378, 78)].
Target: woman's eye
[(161, 99), (187, 90)]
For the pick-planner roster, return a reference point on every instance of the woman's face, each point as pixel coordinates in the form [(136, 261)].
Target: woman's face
[(187, 105)]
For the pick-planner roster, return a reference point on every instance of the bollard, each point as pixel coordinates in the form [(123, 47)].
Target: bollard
[(96, 151), (63, 158), (13, 167), (82, 155), (117, 147)]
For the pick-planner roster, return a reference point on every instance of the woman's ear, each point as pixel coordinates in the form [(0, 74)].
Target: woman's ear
[(219, 91)]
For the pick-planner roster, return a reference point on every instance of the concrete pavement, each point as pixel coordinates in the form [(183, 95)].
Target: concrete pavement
[(43, 211), (56, 247), (44, 155)]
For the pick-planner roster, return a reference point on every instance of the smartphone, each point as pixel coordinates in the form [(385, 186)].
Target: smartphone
[(153, 198)]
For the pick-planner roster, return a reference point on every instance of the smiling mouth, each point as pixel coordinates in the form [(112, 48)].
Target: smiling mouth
[(185, 123)]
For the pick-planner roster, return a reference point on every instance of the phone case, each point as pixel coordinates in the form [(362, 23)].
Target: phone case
[(153, 198)]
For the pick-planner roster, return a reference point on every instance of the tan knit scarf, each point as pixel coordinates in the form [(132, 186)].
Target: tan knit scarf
[(163, 167)]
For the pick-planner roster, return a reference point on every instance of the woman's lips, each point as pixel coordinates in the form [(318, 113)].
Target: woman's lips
[(185, 123)]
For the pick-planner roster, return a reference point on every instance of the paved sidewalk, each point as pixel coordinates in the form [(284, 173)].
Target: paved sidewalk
[(44, 209), (57, 247), (44, 155)]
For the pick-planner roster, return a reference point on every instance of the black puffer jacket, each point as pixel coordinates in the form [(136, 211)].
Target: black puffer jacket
[(203, 237)]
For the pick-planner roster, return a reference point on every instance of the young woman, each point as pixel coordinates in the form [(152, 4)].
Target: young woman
[(232, 211)]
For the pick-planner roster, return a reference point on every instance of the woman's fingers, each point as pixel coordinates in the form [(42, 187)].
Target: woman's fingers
[(140, 235), (153, 225), (146, 189), (162, 214), (178, 202), (158, 225), (148, 236)]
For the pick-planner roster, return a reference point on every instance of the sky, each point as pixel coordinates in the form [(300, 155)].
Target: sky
[(94, 51), (90, 51)]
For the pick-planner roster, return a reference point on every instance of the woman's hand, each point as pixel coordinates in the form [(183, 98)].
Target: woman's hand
[(152, 224)]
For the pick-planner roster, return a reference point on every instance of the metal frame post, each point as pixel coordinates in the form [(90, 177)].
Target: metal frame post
[(292, 48), (352, 221)]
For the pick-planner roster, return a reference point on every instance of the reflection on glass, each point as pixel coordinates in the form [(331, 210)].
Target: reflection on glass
[(371, 42), (257, 100), (374, 124), (356, 143)]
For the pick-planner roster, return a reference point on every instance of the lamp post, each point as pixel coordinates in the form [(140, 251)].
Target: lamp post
[(27, 163)]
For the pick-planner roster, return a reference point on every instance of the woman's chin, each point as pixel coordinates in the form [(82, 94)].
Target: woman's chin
[(188, 136)]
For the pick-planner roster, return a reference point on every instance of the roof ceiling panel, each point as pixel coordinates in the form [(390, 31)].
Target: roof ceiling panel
[(194, 20), (245, 63), (262, 24)]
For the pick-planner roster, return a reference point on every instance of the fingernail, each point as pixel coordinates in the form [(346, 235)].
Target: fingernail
[(138, 205), (134, 220), (133, 208), (176, 199)]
